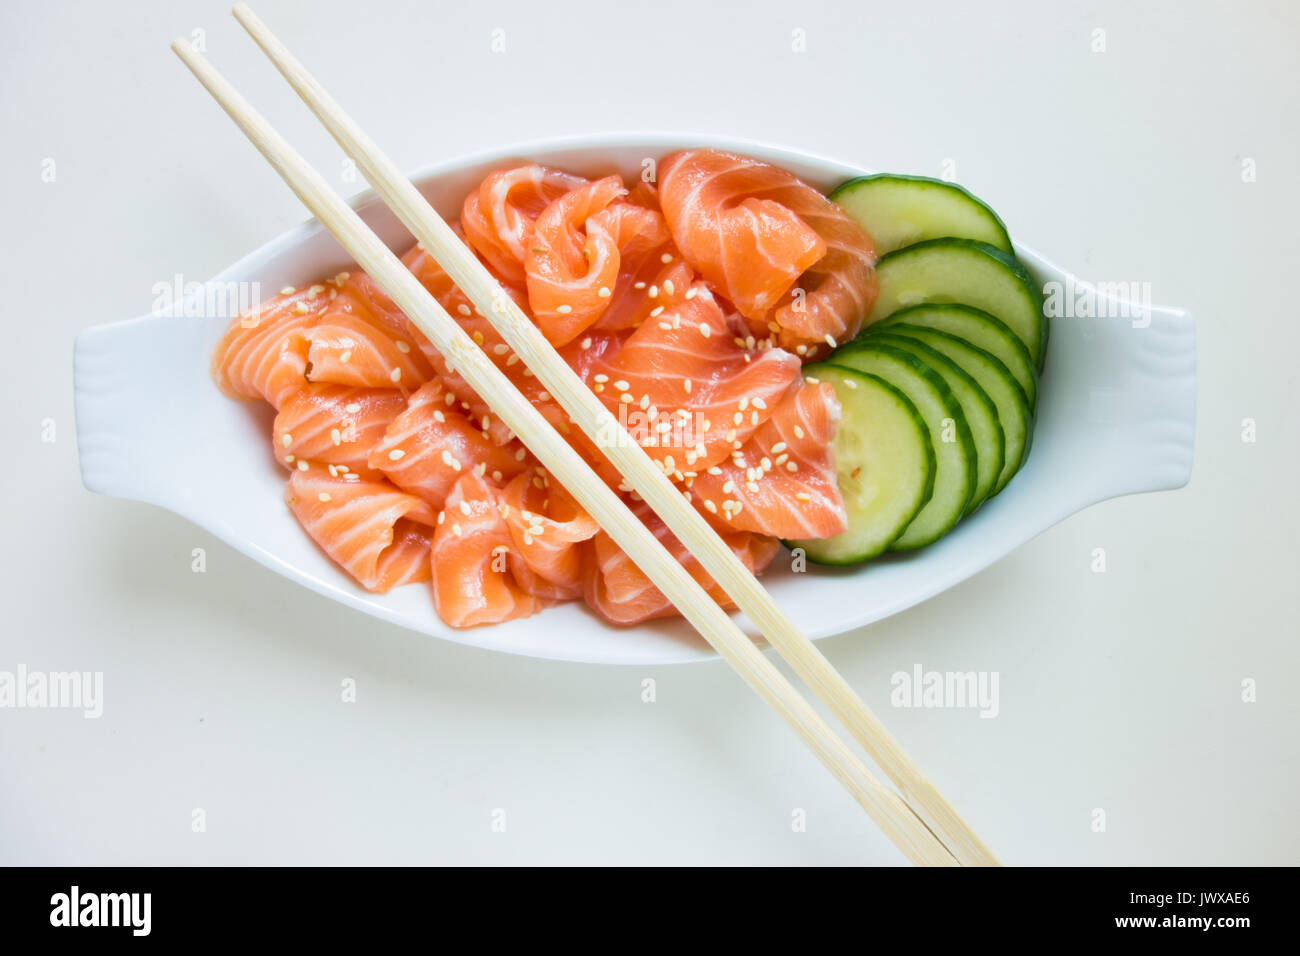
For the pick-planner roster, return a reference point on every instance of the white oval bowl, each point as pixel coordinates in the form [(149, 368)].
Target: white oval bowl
[(1116, 415)]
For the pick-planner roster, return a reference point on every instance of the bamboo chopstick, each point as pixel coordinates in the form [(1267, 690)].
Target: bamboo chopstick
[(884, 806), (628, 457)]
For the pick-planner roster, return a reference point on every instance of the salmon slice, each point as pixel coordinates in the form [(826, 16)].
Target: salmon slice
[(376, 533), (353, 343), (621, 593), (263, 354), (334, 425), (748, 256), (652, 273), (549, 531), (688, 386), (472, 547), (572, 264), (751, 249), (782, 482), (429, 445), (499, 216)]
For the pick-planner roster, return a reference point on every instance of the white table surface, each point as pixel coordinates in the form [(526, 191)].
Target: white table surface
[(1119, 691)]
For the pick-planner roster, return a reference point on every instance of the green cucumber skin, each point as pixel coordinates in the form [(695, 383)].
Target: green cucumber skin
[(811, 548), (936, 315), (952, 409), (935, 337), (846, 189), (1005, 259), (944, 365)]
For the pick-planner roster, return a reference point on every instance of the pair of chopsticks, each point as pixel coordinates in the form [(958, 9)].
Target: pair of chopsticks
[(919, 821)]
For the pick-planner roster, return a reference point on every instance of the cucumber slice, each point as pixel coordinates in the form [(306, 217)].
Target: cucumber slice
[(997, 382), (954, 449), (885, 464), (969, 272), (899, 210), (979, 329), (981, 414)]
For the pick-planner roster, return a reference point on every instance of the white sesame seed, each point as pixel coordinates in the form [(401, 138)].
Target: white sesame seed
[(286, 440), (463, 309), (335, 437), (622, 385), (603, 292), (346, 356), (668, 286), (804, 496), (302, 466), (759, 403), (395, 375), (301, 308), (666, 258), (686, 384), (791, 466), (500, 349), (798, 431), (401, 346), (739, 418), (710, 506), (455, 529), (324, 496), (586, 344), (352, 407), (396, 454), (704, 329), (690, 293), (638, 285), (653, 292), (744, 402), (564, 309), (658, 310), (334, 472), (288, 290)]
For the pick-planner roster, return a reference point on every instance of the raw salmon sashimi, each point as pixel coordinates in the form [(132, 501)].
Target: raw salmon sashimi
[(689, 386), (782, 482), (263, 354), (549, 531), (429, 445), (379, 535), (790, 259), (620, 591), (334, 425), (472, 581), (498, 217), (687, 307)]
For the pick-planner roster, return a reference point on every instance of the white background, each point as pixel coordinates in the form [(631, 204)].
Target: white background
[(1119, 691)]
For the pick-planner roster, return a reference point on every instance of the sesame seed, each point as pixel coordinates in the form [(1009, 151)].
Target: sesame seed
[(286, 440), (752, 485), (514, 360), (638, 285), (487, 422), (622, 385), (744, 402), (666, 258), (603, 292), (395, 375), (455, 529), (778, 448), (324, 496), (477, 337), (710, 506), (463, 309), (739, 418), (801, 349), (803, 496), (302, 466), (496, 476), (346, 356), (442, 516), (600, 377), (465, 508), (334, 472), (791, 466), (690, 293), (704, 329), (301, 308), (335, 437), (830, 340), (352, 407), (653, 292), (564, 309), (798, 431), (543, 396), (657, 310), (666, 326), (759, 403), (850, 383), (500, 349), (438, 416), (586, 344), (288, 290), (729, 487), (288, 459), (520, 455), (668, 286), (401, 346), (686, 384), (753, 418)]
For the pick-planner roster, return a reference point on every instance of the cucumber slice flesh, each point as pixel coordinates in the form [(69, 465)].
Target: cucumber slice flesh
[(897, 211), (997, 382), (981, 414), (967, 272), (954, 448), (885, 464), (978, 329)]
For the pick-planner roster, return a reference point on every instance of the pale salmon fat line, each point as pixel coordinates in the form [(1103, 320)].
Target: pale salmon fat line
[(688, 308)]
